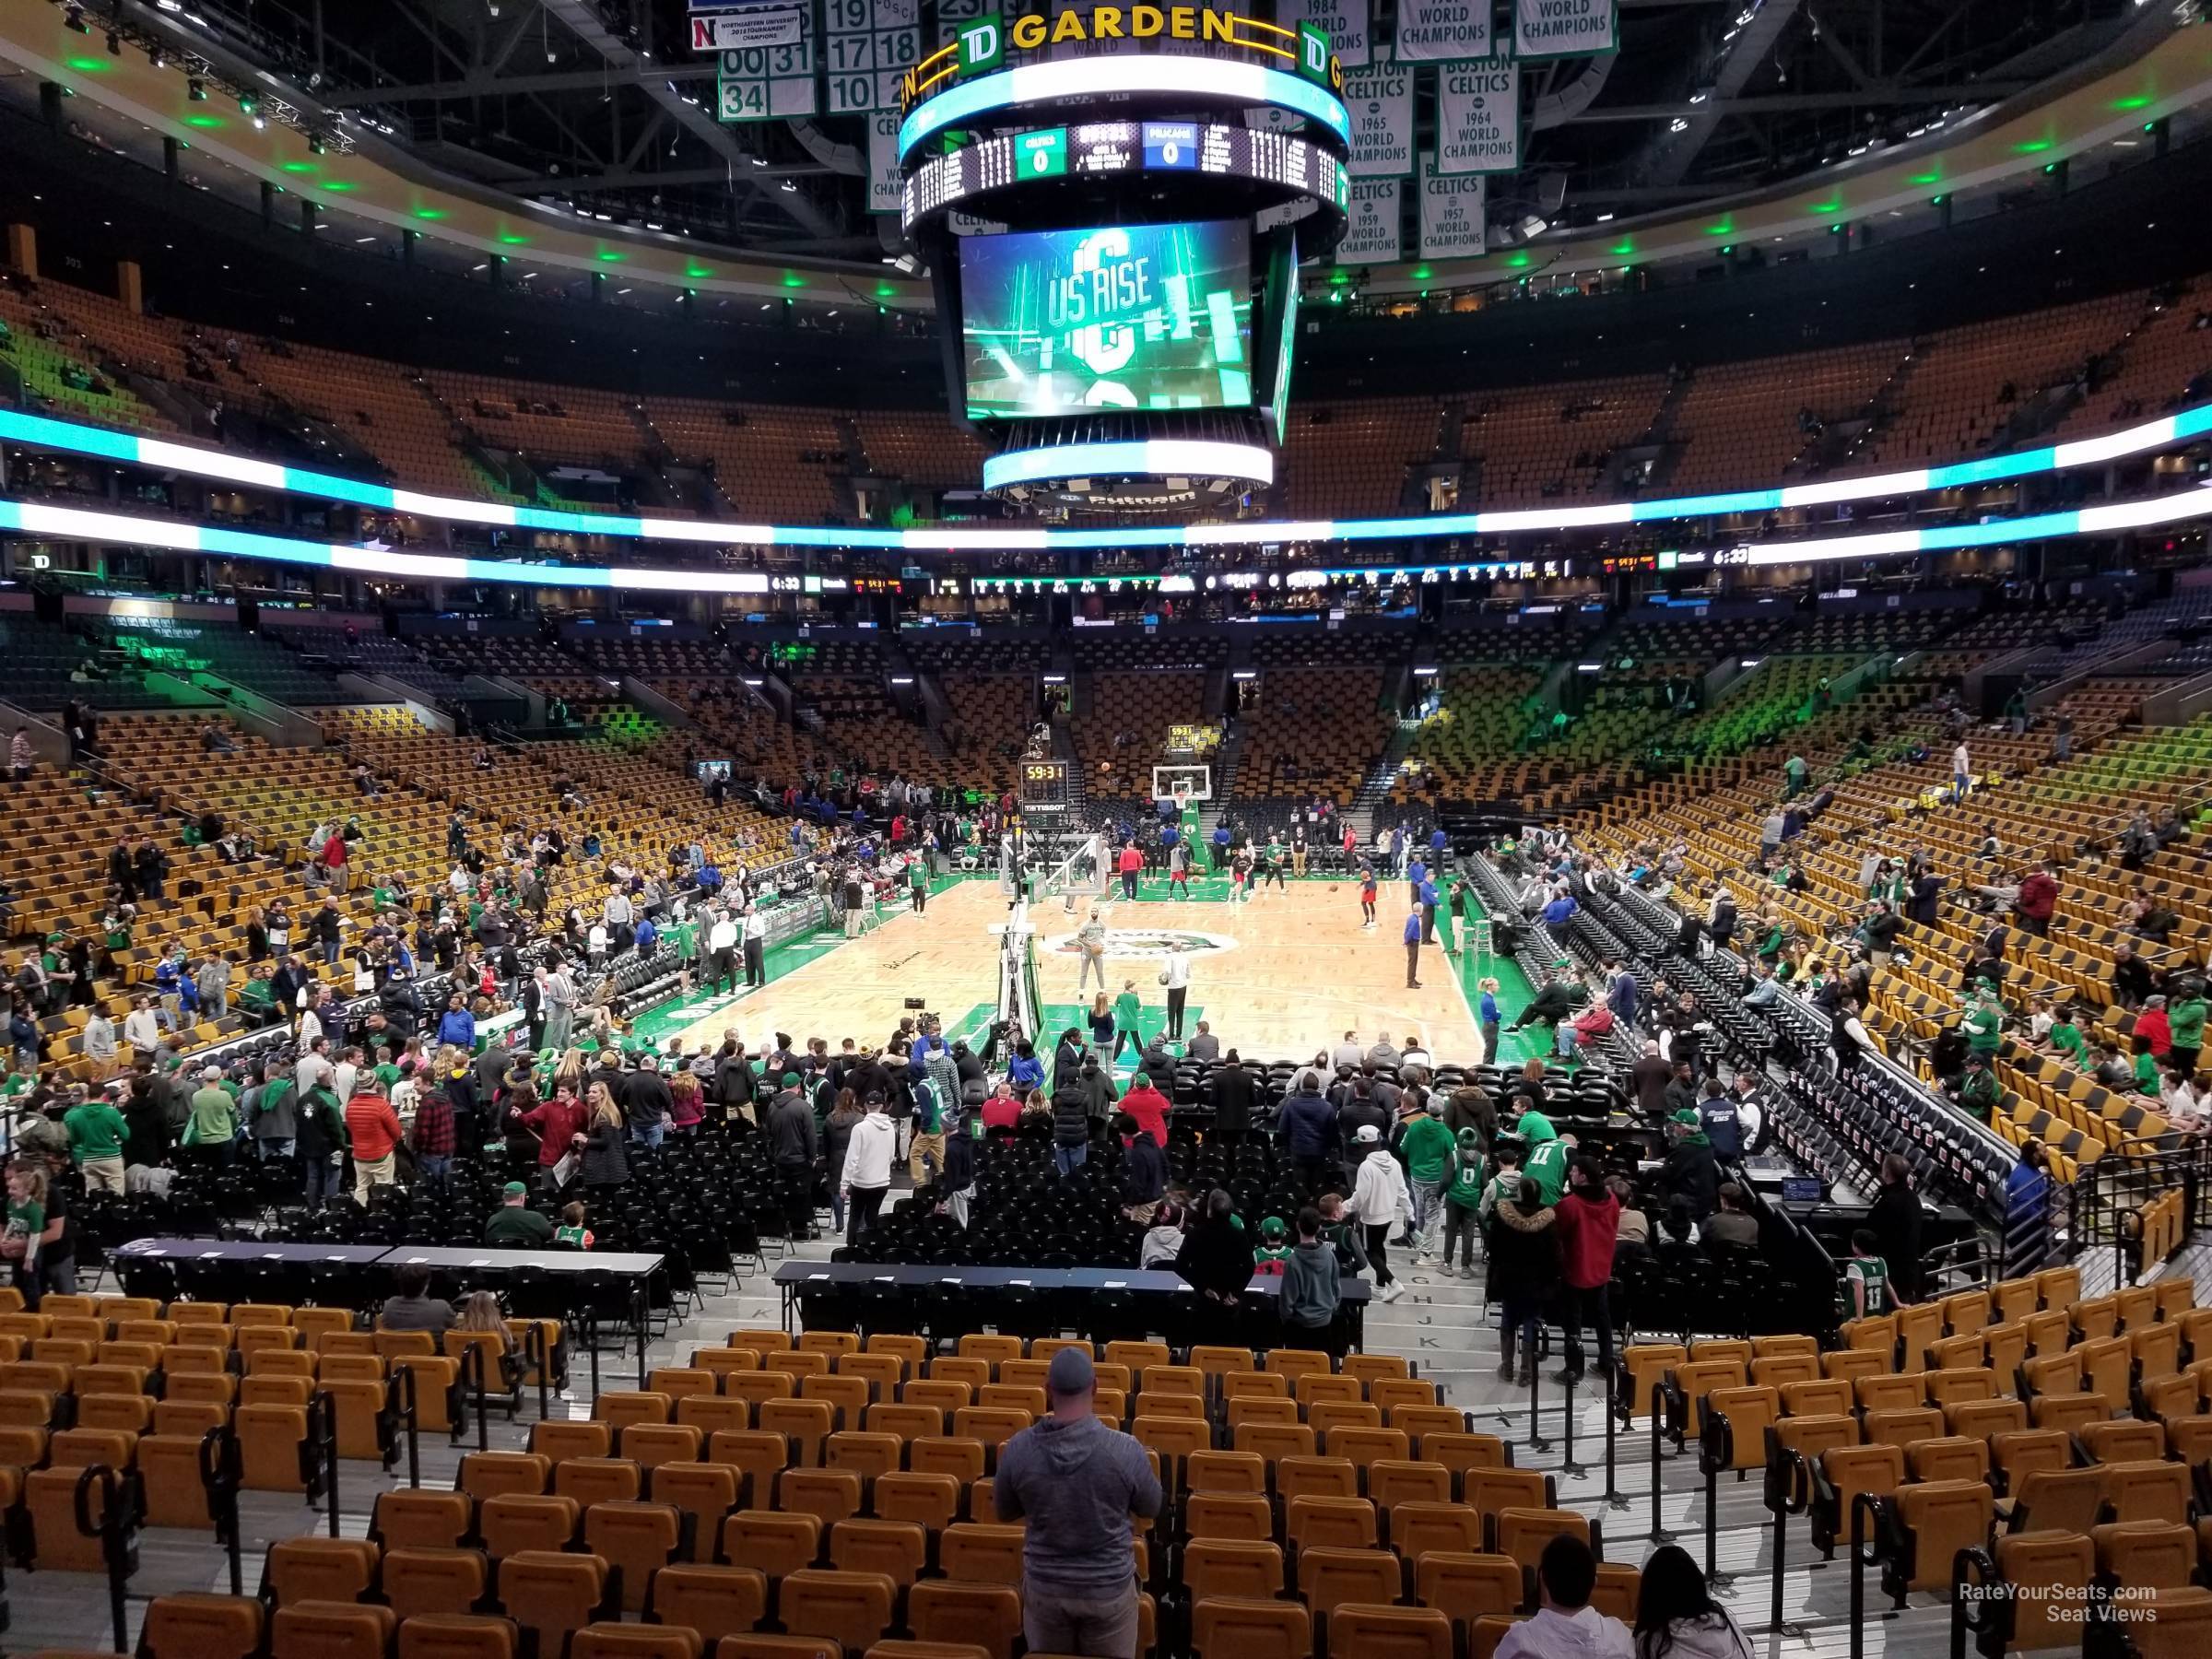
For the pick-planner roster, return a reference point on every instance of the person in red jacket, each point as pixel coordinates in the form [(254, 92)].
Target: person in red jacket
[(1130, 862), (2154, 1029), (2037, 899), (1588, 1224), (1149, 1107), (556, 1124), (373, 1130)]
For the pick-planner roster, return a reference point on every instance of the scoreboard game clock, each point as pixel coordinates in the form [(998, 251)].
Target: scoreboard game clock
[(1044, 785)]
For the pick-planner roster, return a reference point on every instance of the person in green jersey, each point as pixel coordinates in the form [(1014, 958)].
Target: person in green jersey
[(26, 1222), (1985, 1023), (2066, 1038), (1427, 1147), (1865, 1278), (1127, 1009), (917, 881), (1463, 1202), (2186, 1017), (1979, 1090), (96, 1133), (683, 933), (1546, 1156)]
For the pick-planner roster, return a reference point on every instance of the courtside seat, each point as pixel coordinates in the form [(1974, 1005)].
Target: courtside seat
[(2046, 1572), (715, 1601), (202, 1627), (435, 1582), (319, 1569), (950, 1614), (421, 1519), (317, 1630), (1235, 1628), (635, 1641), (1935, 1521), (551, 1595)]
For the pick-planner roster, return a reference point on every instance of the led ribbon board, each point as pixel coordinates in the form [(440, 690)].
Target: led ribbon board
[(117, 529), (37, 431), (1103, 149), (1214, 80), (1139, 458)]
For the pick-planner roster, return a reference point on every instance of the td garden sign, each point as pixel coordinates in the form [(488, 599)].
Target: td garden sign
[(985, 43)]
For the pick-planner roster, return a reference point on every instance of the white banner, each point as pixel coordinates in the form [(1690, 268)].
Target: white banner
[(737, 30), (1371, 237), (1344, 21), (1451, 216), (883, 162), (1431, 30), (1380, 102), (1478, 117), (1547, 29)]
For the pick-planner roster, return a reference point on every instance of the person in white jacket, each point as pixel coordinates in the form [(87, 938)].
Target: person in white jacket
[(1380, 1203), (867, 1172), (1676, 1617), (1566, 1625)]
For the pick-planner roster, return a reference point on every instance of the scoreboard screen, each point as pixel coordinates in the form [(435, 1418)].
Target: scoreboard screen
[(1043, 785), (1110, 316), (1107, 147)]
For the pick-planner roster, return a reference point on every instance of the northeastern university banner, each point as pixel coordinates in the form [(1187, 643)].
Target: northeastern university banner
[(1554, 29)]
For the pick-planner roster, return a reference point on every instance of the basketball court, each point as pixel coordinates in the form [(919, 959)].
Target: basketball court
[(1278, 977)]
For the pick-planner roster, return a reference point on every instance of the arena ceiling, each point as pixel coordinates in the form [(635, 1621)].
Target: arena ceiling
[(594, 116)]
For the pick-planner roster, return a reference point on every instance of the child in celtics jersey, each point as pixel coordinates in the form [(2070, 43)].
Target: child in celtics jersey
[(1463, 1202), (1274, 1248), (1865, 1278)]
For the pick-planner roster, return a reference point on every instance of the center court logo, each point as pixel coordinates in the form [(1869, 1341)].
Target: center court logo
[(1146, 943)]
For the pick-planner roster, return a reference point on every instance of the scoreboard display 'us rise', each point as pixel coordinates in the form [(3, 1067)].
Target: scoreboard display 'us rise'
[(1114, 316)]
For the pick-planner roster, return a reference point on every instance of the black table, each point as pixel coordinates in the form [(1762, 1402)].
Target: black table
[(246, 1250), (635, 1270), (794, 1279)]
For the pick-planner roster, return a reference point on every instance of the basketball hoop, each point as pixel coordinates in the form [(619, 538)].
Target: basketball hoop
[(1180, 793)]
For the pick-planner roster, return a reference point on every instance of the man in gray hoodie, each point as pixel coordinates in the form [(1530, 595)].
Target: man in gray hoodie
[(1076, 1482)]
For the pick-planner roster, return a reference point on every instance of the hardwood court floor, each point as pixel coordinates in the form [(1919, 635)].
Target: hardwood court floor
[(858, 988), (1296, 974)]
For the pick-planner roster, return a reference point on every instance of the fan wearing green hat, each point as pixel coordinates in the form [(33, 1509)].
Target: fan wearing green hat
[(1690, 1172), (1274, 1248), (515, 1225)]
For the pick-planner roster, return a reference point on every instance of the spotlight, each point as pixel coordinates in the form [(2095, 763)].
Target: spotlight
[(157, 57), (73, 19), (314, 144), (114, 44), (195, 90), (247, 103)]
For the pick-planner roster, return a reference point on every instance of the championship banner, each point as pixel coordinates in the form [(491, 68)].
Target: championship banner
[(766, 63), (1344, 21), (1431, 31), (1453, 223), (1380, 102), (867, 47), (1478, 117), (1371, 236), (883, 185), (1551, 28)]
